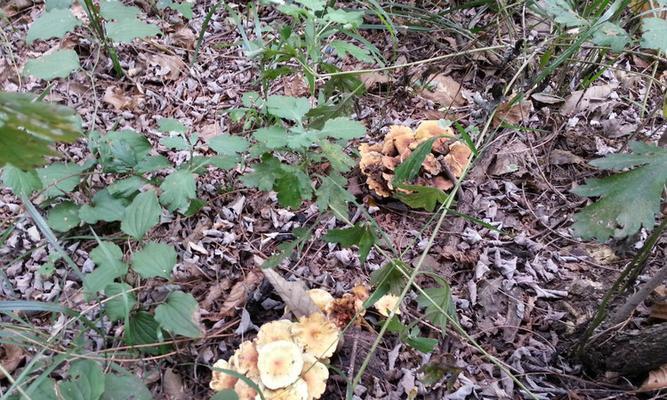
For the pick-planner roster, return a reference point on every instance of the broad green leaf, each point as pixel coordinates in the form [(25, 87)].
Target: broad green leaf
[(184, 7), (86, 381), (106, 252), (21, 182), (179, 315), (343, 128), (303, 180), (343, 48), (120, 151), (103, 275), (52, 24), (175, 142), (155, 259), (289, 108), (143, 329), (442, 298), (351, 18), (315, 5), (178, 189), (391, 278), (46, 390), (59, 178), (425, 197), (226, 394), (126, 30), (272, 137), (141, 215), (28, 127), (152, 164), (121, 301), (53, 4), (124, 387), (58, 64), (409, 168), (336, 156), (332, 194), (199, 163), (361, 235), (265, 173), (113, 9), (171, 125), (104, 207), (287, 187), (301, 139), (654, 34), (422, 344), (64, 217), (228, 145), (126, 187), (562, 13), (628, 200), (611, 35)]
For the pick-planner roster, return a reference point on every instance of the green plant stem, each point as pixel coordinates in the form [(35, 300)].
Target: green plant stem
[(98, 30), (202, 31)]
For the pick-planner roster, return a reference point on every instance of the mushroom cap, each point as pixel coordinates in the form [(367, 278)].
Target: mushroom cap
[(386, 303), (244, 391), (431, 165), (360, 292), (320, 297), (379, 186), (457, 159), (245, 359), (431, 128), (274, 331), (296, 391), (280, 363), (367, 148), (315, 374), (317, 335), (220, 380), (345, 309), (442, 183), (401, 133), (390, 163)]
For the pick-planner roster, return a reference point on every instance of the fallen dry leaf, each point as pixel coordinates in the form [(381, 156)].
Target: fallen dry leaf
[(563, 157), (512, 115), (657, 379), (214, 292), (293, 294), (10, 357), (371, 79), (294, 85), (173, 385), (169, 67), (183, 37), (239, 293), (115, 96), (446, 92), (587, 100)]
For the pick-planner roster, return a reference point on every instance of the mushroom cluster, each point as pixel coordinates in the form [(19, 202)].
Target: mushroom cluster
[(288, 360), (447, 160)]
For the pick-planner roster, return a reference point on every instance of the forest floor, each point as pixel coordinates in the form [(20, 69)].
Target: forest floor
[(521, 291)]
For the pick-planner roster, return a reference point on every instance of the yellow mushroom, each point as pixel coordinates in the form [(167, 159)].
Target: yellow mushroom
[(317, 335), (315, 374), (244, 391), (245, 359), (280, 363), (387, 303), (320, 297), (296, 391), (273, 331), (221, 380)]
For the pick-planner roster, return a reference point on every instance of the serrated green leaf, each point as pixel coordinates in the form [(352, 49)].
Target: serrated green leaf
[(104, 208), (123, 387), (336, 156), (141, 215), (390, 278), (419, 343), (343, 48), (52, 24), (425, 197), (126, 30), (264, 174), (22, 183), (441, 300), (143, 329), (112, 9), (59, 178), (352, 18), (228, 145), (611, 35), (289, 108), (86, 381), (287, 187), (332, 194), (178, 189), (199, 163), (361, 235), (152, 164), (301, 139), (315, 5), (654, 34), (64, 217), (103, 275), (126, 187), (155, 259), (409, 168), (121, 300), (58, 64), (121, 151), (628, 200), (170, 125), (106, 252), (272, 137), (179, 315), (175, 142), (562, 13), (343, 128)]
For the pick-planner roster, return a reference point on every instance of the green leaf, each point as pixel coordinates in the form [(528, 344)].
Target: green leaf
[(409, 168), (141, 215), (28, 127), (170, 125), (628, 200), (22, 183), (425, 197), (611, 35), (104, 208), (184, 7), (315, 5), (126, 30), (103, 275), (352, 18), (339, 160), (124, 387), (361, 235), (228, 145), (289, 108), (344, 48), (53, 4), (332, 194), (86, 381), (112, 9), (343, 128), (143, 329), (179, 315), (121, 301), (390, 278), (58, 64), (151, 164), (265, 173), (106, 252), (300, 139), (423, 344), (52, 24), (155, 259), (175, 142), (64, 217), (126, 187), (442, 300), (654, 34), (225, 394), (178, 189), (120, 151), (562, 13), (59, 178), (272, 137), (287, 187)]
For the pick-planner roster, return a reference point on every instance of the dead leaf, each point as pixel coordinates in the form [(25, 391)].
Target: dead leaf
[(546, 98), (115, 96), (446, 92), (512, 115), (239, 293), (293, 294), (295, 86), (214, 292), (563, 157), (184, 37), (170, 67), (510, 159), (173, 386), (371, 79), (587, 100), (10, 357), (210, 130), (657, 379)]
